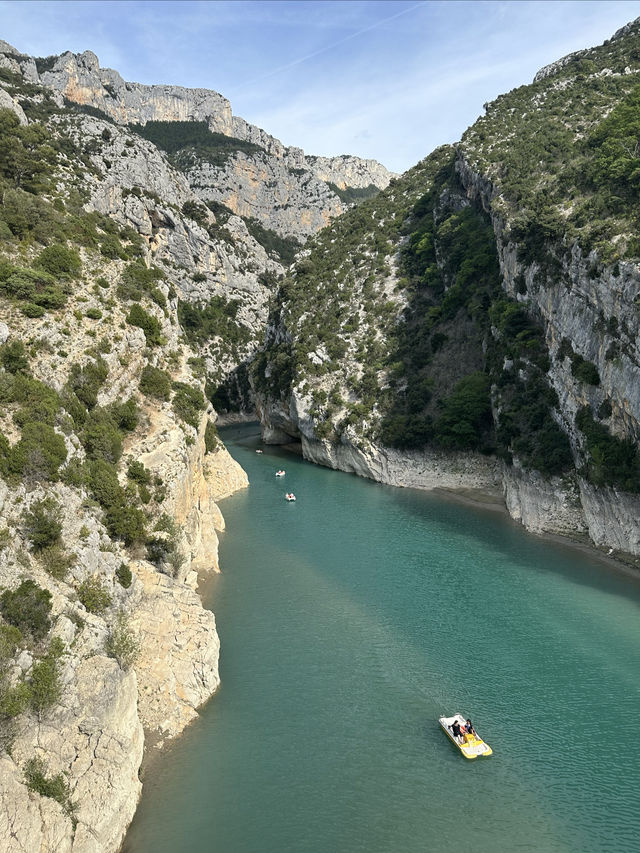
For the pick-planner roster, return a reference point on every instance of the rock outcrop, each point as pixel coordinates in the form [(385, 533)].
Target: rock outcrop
[(281, 187)]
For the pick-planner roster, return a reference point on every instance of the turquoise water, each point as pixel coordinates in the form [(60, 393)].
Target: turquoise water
[(349, 621)]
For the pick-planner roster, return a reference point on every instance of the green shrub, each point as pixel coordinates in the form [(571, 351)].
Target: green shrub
[(44, 682), (218, 318), (42, 524), (138, 473), (55, 787), (59, 261), (150, 325), (56, 561), (122, 520), (124, 576), (28, 608), (165, 550), (159, 298), (26, 155), (10, 639), (35, 286), (211, 438), (76, 410), (188, 403), (29, 309), (137, 280), (111, 248), (584, 371), (15, 700), (466, 414), (39, 453), (40, 402), (14, 357), (155, 383), (124, 415), (196, 211), (126, 523), (85, 382), (94, 595), (74, 473), (122, 644), (93, 314), (101, 437), (104, 484)]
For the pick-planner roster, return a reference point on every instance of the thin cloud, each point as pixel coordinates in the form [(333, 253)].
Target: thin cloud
[(377, 24)]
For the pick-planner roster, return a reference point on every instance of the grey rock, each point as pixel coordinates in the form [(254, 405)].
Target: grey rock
[(8, 103)]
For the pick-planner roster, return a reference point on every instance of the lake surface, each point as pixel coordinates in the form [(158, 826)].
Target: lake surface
[(349, 621)]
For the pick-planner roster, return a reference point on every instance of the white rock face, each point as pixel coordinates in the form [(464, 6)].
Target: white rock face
[(544, 505), (8, 103), (80, 79), (178, 666), (427, 470), (95, 738), (612, 518)]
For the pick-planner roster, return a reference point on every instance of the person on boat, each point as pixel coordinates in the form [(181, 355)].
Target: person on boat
[(468, 732), (456, 729)]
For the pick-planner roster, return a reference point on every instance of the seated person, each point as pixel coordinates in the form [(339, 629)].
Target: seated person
[(469, 728)]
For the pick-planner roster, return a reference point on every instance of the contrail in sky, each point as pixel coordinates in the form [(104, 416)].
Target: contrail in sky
[(330, 46)]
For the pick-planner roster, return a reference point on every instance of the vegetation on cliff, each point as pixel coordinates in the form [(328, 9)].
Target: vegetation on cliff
[(91, 349), (406, 322)]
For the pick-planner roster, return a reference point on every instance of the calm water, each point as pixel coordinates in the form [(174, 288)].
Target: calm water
[(349, 621)]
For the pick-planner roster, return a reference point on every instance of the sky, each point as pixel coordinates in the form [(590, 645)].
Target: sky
[(383, 79)]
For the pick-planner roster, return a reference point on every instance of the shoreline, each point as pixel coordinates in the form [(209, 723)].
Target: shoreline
[(628, 565), (486, 501)]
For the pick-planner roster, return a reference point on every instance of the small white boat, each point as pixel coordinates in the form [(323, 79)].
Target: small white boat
[(280, 473), (258, 451), (470, 745), (289, 496)]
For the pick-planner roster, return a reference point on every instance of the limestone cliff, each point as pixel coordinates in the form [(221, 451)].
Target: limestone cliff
[(485, 301), (110, 468), (279, 186)]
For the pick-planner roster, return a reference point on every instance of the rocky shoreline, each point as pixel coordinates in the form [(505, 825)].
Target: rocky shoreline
[(568, 510), (109, 716)]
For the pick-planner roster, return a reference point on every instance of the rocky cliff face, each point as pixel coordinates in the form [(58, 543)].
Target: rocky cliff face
[(110, 469), (480, 307), (280, 187)]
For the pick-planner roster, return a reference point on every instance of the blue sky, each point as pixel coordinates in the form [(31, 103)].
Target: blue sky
[(389, 79)]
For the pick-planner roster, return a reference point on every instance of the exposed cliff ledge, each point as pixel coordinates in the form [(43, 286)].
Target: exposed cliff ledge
[(79, 78)]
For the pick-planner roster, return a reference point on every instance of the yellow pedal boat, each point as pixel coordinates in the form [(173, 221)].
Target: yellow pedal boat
[(471, 746)]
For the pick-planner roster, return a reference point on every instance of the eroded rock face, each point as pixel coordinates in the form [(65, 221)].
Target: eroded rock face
[(178, 665), (281, 187), (292, 203), (80, 79), (95, 739), (544, 505)]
